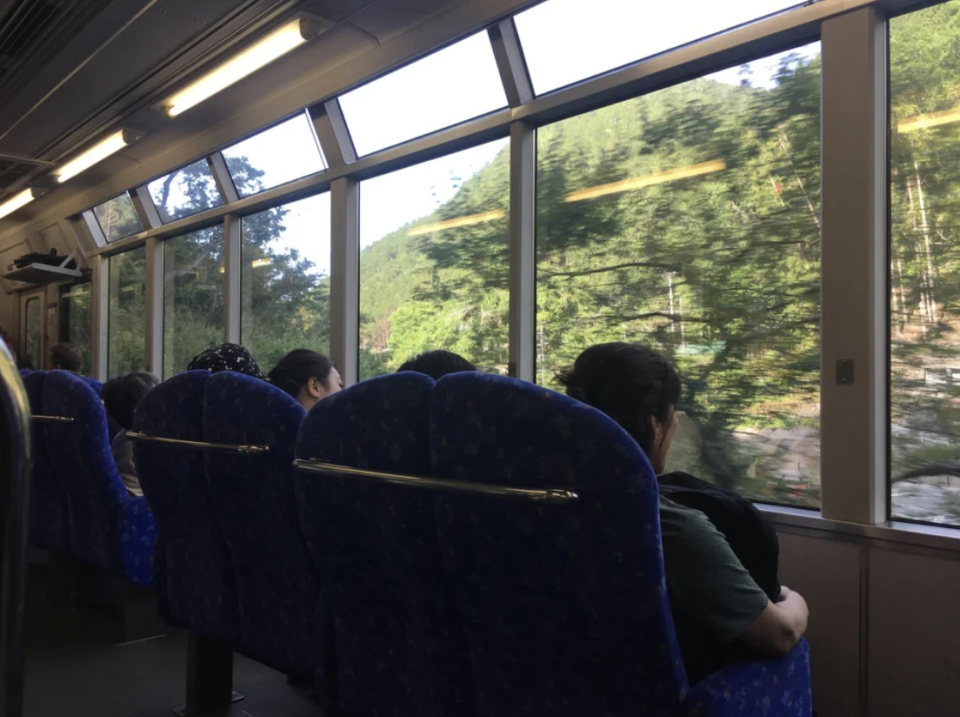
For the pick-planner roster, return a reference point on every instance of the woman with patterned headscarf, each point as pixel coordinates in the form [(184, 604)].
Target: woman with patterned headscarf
[(227, 357)]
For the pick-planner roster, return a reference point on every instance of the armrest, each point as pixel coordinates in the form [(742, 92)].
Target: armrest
[(765, 688), (138, 536)]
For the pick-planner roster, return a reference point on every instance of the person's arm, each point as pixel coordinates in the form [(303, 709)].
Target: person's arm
[(780, 626)]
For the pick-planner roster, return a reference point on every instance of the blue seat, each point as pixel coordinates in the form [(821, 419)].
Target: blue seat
[(565, 607), (196, 581), (108, 529), (48, 503), (398, 642), (255, 502)]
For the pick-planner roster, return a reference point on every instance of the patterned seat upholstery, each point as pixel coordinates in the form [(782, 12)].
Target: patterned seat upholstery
[(48, 504), (255, 502), (108, 529), (564, 607), (398, 642), (196, 581)]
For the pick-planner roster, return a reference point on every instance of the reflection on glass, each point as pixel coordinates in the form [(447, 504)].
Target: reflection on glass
[(285, 280), (446, 88), (75, 320), (925, 265), (563, 43), (192, 297), (278, 155), (117, 218), (127, 312), (434, 261), (688, 220), (33, 333), (186, 192)]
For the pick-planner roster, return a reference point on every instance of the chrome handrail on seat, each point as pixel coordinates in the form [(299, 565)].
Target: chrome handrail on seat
[(199, 445), (15, 454), (51, 419), (550, 496)]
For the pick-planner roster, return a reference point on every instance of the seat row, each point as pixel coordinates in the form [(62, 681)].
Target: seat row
[(79, 507), (473, 547)]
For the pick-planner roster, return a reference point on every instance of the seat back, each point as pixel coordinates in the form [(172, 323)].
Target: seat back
[(48, 504), (196, 582), (81, 457), (255, 502), (399, 648), (564, 606)]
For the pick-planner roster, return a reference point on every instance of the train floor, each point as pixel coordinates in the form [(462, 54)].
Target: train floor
[(76, 667)]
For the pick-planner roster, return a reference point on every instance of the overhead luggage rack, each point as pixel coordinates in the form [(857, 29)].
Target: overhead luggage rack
[(37, 273)]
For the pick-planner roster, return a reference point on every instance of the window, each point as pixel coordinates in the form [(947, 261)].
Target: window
[(186, 192), (117, 218), (446, 88), (565, 41), (285, 280), (925, 265), (75, 320), (688, 220), (276, 156), (127, 312), (434, 261), (192, 297), (33, 335)]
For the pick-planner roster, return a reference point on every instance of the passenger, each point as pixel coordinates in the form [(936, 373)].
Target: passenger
[(65, 357), (226, 357), (720, 612), (120, 397), (307, 376), (437, 364)]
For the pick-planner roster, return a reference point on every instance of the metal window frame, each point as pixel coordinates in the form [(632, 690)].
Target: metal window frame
[(838, 24)]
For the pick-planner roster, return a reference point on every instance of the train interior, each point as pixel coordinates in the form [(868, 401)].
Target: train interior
[(764, 191)]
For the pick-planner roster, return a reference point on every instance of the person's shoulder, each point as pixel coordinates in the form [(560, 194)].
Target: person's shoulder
[(676, 518)]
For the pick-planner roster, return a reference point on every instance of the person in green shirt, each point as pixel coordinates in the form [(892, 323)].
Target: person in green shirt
[(720, 613)]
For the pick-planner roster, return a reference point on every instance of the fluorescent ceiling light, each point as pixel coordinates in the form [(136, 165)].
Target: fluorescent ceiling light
[(18, 200), (934, 119), (261, 53), (669, 175), (260, 262), (458, 222), (97, 153)]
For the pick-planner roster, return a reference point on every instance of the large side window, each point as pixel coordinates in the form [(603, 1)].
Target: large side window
[(192, 296), (688, 220), (925, 264), (127, 312), (75, 320), (285, 280), (434, 261)]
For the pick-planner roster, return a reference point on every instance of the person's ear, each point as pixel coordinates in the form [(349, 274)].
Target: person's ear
[(316, 388)]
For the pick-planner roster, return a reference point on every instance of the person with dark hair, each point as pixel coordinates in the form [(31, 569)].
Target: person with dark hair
[(307, 376), (226, 357), (120, 397), (437, 364), (66, 357), (721, 613)]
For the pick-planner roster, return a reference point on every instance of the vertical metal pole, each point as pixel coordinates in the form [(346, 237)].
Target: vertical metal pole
[(99, 313), (345, 277), (523, 203), (854, 320), (153, 343), (15, 456), (232, 287)]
